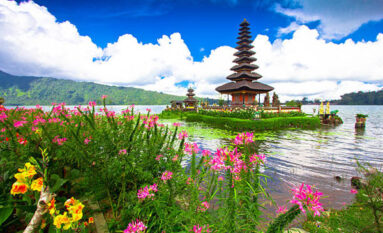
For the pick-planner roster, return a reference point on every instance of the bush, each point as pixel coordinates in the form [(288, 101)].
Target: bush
[(257, 125)]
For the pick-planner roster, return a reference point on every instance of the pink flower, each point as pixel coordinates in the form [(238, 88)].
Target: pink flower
[(3, 116), (147, 192), (191, 148), (200, 229), (19, 123), (148, 110), (104, 97), (281, 210), (167, 175), (220, 178), (135, 227), (257, 159), (92, 103), (204, 206), (86, 141), (244, 138), (59, 141), (176, 124), (183, 135), (159, 157), (307, 199), (122, 152), (189, 180), (175, 158), (353, 191)]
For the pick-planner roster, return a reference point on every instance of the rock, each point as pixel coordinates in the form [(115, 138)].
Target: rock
[(338, 178)]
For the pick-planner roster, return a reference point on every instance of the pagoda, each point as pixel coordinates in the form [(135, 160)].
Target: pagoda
[(190, 101), (244, 87)]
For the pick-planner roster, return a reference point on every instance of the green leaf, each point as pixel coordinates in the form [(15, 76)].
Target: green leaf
[(5, 213), (59, 182)]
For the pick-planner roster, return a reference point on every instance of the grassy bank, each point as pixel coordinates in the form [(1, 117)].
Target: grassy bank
[(256, 125)]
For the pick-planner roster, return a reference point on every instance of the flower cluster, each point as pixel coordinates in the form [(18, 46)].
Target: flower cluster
[(24, 180), (191, 148), (307, 199), (183, 135), (257, 159), (167, 175), (150, 122), (135, 227), (203, 207), (224, 159), (70, 218), (200, 229), (59, 141), (147, 192), (244, 138)]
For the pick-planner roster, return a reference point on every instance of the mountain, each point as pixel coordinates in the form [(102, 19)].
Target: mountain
[(28, 90)]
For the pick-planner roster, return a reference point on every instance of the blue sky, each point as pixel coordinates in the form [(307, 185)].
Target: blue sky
[(203, 24), (167, 45)]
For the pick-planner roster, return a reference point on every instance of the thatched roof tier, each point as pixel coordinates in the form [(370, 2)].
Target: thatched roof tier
[(190, 100), (244, 66), (241, 37), (244, 47), (244, 53), (244, 41), (244, 86), (241, 33), (244, 76), (241, 60), (244, 29)]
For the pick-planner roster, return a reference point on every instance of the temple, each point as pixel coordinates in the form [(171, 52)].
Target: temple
[(190, 101), (244, 87)]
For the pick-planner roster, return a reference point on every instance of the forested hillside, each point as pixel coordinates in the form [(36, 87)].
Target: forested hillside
[(362, 98), (22, 90)]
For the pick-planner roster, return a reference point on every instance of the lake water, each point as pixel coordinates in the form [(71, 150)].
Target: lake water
[(311, 156)]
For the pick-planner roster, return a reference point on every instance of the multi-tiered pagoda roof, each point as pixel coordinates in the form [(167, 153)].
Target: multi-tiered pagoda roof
[(244, 77)]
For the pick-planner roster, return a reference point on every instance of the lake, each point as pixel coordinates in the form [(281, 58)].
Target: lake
[(311, 156)]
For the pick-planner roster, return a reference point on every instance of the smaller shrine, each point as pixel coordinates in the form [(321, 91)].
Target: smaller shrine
[(190, 102)]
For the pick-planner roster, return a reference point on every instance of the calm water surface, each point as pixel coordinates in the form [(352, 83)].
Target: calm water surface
[(310, 156)]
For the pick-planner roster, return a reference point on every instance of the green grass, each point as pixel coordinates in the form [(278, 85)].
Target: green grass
[(256, 125), (351, 219)]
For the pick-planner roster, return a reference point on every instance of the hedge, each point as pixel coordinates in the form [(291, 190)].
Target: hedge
[(236, 124)]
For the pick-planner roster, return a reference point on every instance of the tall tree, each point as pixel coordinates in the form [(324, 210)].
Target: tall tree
[(266, 101), (275, 102)]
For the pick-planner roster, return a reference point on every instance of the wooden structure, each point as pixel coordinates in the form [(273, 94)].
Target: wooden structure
[(244, 87), (190, 102), (177, 104)]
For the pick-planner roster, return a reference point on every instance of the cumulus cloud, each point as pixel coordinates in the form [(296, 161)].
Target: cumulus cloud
[(337, 18), (34, 43)]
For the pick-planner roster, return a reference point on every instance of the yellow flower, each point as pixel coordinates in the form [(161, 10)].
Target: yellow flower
[(52, 206), (29, 170), (62, 219), (75, 208), (19, 188), (21, 177), (37, 184)]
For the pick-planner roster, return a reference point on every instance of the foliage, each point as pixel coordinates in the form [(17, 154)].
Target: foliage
[(362, 98), (21, 90), (131, 165), (265, 115), (242, 113), (359, 115), (236, 124), (364, 215), (293, 103)]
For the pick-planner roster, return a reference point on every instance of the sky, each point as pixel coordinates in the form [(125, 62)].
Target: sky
[(320, 49)]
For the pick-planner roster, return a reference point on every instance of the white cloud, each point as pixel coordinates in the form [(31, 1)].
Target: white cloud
[(337, 18), (34, 43)]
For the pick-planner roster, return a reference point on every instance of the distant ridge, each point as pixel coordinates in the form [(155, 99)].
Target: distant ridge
[(29, 90)]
